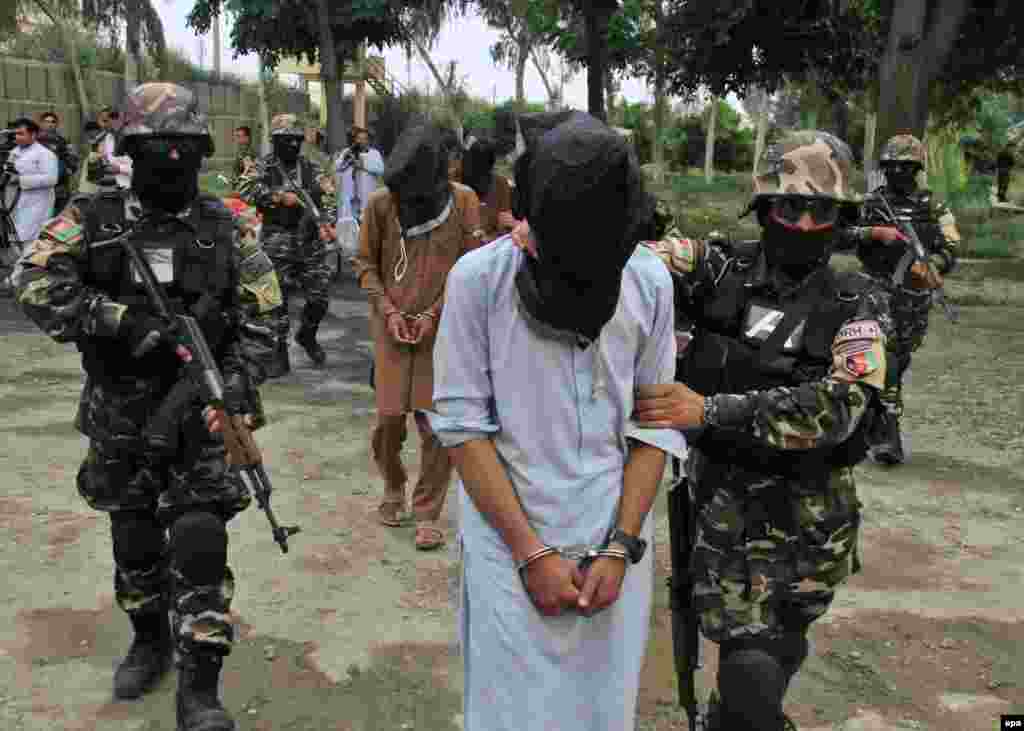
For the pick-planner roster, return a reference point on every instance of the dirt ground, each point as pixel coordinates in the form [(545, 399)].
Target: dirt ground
[(353, 630)]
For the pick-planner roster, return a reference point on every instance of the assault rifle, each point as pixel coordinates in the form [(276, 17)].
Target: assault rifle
[(204, 378), (916, 253), (685, 630), (313, 211)]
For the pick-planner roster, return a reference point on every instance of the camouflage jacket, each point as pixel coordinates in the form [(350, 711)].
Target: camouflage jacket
[(258, 186), (245, 162), (52, 294), (933, 222), (814, 414)]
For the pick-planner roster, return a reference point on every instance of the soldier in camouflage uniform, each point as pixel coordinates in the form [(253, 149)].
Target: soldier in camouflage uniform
[(880, 246), (779, 384), (168, 510), (245, 157), (296, 245)]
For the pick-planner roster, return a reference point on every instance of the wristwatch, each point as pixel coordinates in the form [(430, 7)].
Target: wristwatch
[(635, 546)]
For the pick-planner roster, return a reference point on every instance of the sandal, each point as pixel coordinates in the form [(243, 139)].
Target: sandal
[(392, 515), (429, 536)]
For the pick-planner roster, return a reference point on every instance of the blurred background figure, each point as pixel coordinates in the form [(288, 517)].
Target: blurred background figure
[(67, 160), (359, 167), (493, 190)]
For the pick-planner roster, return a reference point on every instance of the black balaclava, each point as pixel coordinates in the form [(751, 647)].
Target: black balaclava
[(586, 208), (287, 147), (793, 252), (478, 166), (417, 173), (901, 179), (165, 171)]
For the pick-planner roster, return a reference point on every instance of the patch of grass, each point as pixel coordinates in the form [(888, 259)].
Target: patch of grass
[(734, 184), (211, 184)]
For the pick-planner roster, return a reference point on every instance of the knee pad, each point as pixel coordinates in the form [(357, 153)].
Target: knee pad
[(139, 540), (199, 546), (752, 684)]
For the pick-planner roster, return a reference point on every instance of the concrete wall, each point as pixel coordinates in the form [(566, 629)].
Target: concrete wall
[(28, 88)]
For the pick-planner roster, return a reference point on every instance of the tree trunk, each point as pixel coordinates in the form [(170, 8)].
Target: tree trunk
[(916, 50), (764, 101), (660, 99), (216, 45), (133, 53), (609, 96), (597, 13), (522, 56), (709, 143), (264, 113), (70, 40), (870, 166), (330, 76), (841, 119), (553, 97)]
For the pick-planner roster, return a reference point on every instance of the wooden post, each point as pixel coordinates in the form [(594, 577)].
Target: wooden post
[(359, 100)]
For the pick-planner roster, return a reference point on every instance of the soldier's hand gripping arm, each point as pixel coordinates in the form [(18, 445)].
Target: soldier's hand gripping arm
[(814, 414), (50, 289)]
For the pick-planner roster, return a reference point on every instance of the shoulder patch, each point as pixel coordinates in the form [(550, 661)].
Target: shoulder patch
[(858, 353), (679, 254), (66, 232)]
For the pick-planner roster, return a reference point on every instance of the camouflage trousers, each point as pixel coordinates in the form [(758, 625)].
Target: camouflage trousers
[(303, 263), (909, 309), (770, 550), (118, 475)]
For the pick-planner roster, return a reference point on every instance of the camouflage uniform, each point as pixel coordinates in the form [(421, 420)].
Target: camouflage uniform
[(910, 303), (791, 370), (79, 289), (298, 253), (245, 162)]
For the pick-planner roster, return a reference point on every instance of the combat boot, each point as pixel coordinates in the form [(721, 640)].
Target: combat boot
[(306, 337), (889, 451), (148, 658), (312, 314), (199, 708)]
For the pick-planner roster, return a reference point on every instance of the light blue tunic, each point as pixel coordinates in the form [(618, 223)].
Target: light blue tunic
[(559, 418)]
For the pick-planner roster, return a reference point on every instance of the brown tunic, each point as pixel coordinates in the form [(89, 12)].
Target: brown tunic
[(404, 374), (499, 198)]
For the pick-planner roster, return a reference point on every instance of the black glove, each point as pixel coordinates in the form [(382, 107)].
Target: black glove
[(142, 332)]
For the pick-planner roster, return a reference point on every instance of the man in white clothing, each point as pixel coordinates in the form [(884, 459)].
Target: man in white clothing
[(358, 168), (33, 177), (121, 165), (537, 359)]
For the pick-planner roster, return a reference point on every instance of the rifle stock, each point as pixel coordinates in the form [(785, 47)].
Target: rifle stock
[(206, 381), (685, 628)]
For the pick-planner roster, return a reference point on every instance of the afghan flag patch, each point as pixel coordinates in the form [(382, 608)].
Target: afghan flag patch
[(65, 231), (863, 363)]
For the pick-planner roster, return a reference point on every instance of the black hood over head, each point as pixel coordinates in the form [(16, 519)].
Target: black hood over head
[(586, 209), (478, 166), (163, 182), (417, 173), (287, 148)]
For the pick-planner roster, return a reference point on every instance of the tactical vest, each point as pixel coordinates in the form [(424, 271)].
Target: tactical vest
[(746, 338), (196, 269), (915, 209), (282, 217)]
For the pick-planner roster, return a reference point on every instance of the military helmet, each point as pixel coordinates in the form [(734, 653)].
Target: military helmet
[(808, 162), (903, 148), (286, 125), (160, 109)]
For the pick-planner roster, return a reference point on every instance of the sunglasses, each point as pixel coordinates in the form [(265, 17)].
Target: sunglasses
[(790, 209), (186, 147)]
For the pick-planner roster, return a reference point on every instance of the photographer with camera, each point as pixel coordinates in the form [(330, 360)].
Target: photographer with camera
[(359, 166), (28, 178)]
